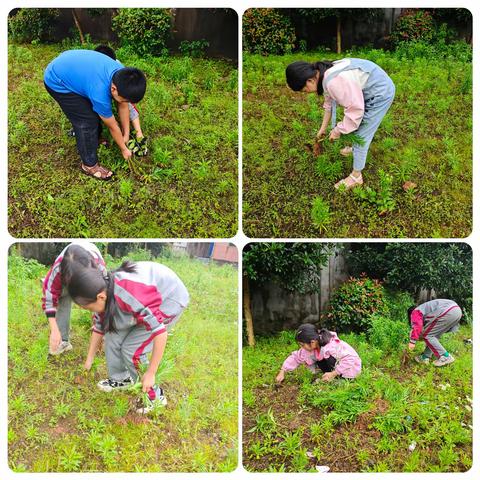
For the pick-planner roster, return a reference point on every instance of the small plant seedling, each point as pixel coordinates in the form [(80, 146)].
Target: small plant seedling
[(321, 216)]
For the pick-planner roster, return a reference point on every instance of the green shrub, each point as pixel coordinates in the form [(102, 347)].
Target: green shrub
[(32, 25), (413, 25), (144, 30), (267, 31), (353, 304), (193, 48), (386, 334)]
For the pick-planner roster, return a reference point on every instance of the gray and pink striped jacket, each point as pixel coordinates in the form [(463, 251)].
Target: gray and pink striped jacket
[(152, 297), (52, 285), (348, 363), (426, 313)]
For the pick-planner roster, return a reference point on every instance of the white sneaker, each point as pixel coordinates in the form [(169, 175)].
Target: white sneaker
[(443, 360), (63, 347), (109, 385), (151, 405), (421, 359)]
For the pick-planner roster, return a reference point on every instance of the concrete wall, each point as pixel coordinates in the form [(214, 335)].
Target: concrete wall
[(275, 309)]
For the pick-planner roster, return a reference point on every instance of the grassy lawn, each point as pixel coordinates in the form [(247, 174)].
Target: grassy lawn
[(426, 139), (363, 425), (187, 185), (60, 421)]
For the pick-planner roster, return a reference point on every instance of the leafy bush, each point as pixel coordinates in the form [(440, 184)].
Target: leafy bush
[(413, 25), (294, 266), (267, 31), (31, 25), (386, 334), (354, 302), (144, 30), (193, 48)]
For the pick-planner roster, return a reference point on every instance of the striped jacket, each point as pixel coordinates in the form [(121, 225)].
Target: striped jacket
[(426, 313), (151, 298), (52, 284)]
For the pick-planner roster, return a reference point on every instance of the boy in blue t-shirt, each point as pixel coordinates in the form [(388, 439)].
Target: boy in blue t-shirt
[(84, 82)]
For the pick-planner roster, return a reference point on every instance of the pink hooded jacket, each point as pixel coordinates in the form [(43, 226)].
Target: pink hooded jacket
[(348, 363)]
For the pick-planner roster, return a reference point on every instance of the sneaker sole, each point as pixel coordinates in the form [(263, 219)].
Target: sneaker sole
[(443, 364), (109, 389), (59, 352)]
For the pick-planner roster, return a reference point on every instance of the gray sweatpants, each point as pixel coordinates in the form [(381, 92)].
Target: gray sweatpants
[(126, 349), (64, 310), (442, 323)]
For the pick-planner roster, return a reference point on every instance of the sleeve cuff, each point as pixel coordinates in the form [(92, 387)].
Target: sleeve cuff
[(98, 331), (51, 314)]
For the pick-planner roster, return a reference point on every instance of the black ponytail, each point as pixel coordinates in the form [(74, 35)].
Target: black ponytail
[(299, 72), (87, 283), (75, 258), (308, 332)]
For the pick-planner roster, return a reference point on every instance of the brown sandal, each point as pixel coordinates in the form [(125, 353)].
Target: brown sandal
[(97, 171)]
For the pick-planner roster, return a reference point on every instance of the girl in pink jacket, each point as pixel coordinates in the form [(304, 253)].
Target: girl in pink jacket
[(361, 87), (322, 350)]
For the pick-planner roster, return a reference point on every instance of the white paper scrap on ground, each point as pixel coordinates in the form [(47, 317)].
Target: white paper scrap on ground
[(322, 468)]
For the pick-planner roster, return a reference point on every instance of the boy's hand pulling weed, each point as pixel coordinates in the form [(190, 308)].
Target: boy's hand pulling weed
[(148, 381), (127, 154), (329, 376), (411, 346)]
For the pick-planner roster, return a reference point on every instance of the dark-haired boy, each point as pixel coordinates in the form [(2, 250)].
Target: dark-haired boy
[(134, 114), (429, 322), (83, 83)]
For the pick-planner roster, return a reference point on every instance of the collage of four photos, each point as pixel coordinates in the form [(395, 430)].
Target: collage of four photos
[(238, 240)]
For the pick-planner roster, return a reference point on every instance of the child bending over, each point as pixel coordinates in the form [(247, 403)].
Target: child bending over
[(322, 350)]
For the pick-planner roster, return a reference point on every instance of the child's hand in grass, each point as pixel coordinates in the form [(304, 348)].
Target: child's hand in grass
[(321, 135), (411, 346), (126, 153), (148, 381), (329, 376), (280, 377), (88, 364), (55, 339), (334, 135)]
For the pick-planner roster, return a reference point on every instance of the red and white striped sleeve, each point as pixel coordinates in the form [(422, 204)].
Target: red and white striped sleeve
[(52, 289)]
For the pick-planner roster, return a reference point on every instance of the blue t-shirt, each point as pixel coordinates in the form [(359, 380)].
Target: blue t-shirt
[(86, 73)]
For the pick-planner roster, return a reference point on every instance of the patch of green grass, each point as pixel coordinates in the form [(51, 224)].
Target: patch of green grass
[(60, 421), (185, 187), (426, 139), (374, 417)]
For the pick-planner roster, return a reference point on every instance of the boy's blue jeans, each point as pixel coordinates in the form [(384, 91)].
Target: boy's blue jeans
[(86, 123)]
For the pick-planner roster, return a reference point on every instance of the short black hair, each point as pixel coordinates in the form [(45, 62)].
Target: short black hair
[(106, 50), (131, 83)]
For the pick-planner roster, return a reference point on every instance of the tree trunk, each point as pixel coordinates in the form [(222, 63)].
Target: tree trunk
[(248, 312), (339, 35), (77, 24)]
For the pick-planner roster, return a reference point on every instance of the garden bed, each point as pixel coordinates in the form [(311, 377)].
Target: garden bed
[(60, 421), (187, 185), (363, 425), (425, 139)]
